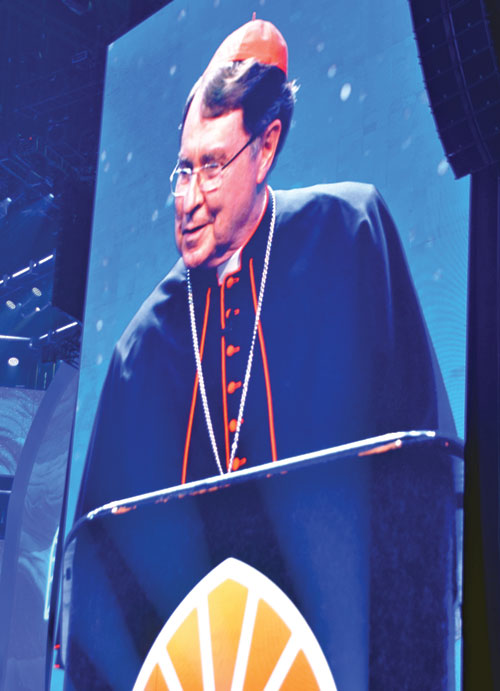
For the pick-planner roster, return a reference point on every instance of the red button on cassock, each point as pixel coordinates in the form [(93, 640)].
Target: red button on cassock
[(232, 386), (231, 281), (238, 462), (234, 423)]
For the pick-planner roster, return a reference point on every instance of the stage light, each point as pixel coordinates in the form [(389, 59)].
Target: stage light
[(36, 291), (13, 361), (5, 337), (21, 272), (4, 205), (37, 309), (66, 326), (11, 305)]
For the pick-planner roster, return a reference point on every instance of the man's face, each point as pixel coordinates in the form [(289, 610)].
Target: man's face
[(210, 226)]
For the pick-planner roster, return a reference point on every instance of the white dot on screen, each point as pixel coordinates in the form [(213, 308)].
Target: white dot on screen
[(13, 361), (99, 359), (99, 325), (154, 217), (332, 71), (406, 143), (181, 15), (443, 166), (103, 155), (173, 70), (106, 167), (320, 47), (129, 156), (345, 91)]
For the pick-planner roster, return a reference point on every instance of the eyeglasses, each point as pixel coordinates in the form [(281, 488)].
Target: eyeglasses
[(209, 175)]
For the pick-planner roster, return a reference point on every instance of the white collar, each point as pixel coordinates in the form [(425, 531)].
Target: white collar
[(233, 264), (230, 266)]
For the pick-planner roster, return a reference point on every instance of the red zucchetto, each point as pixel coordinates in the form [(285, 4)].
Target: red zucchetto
[(256, 39)]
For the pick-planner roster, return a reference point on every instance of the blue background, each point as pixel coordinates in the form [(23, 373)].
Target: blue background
[(362, 114)]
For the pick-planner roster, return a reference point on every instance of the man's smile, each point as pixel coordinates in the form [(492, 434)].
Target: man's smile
[(193, 229)]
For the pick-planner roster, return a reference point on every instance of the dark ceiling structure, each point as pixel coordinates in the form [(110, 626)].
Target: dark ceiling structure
[(459, 62), (52, 63)]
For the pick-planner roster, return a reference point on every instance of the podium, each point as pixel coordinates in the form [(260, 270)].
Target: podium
[(350, 554)]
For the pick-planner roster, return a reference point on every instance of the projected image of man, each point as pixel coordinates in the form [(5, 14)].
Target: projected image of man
[(290, 322)]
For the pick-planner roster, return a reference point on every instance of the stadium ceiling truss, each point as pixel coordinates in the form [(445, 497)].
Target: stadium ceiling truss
[(52, 61)]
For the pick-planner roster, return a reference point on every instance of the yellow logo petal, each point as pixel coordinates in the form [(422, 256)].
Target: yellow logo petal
[(235, 631)]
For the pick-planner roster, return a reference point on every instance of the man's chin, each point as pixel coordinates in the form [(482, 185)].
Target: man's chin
[(202, 258), (196, 259)]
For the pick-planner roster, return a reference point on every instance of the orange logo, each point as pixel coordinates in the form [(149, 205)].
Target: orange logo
[(235, 631)]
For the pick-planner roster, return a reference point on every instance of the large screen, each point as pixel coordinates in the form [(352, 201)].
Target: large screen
[(362, 114)]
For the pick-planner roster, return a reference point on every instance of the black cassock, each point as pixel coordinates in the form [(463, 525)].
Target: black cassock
[(342, 353)]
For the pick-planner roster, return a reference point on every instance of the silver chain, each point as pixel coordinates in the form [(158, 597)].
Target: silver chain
[(246, 381)]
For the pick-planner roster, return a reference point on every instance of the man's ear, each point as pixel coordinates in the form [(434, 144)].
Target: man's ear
[(269, 144)]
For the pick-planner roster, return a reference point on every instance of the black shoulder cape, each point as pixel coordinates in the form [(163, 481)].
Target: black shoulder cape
[(343, 353)]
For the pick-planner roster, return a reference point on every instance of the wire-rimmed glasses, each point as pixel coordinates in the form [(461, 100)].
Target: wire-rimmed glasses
[(209, 174)]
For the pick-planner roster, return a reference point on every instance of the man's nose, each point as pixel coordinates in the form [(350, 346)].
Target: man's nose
[(193, 197)]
